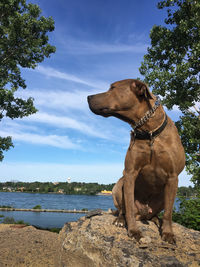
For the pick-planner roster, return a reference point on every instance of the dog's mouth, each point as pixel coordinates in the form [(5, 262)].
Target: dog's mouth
[(105, 112), (96, 108)]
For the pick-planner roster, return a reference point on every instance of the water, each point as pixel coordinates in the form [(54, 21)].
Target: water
[(51, 201)]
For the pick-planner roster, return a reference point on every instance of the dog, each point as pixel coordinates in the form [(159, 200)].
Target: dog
[(153, 161)]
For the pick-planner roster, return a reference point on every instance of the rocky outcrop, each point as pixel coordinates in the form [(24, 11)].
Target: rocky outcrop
[(95, 242), (22, 246)]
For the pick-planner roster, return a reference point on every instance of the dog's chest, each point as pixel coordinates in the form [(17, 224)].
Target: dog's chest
[(152, 176)]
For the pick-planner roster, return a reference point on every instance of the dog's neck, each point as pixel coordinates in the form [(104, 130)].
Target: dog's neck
[(153, 117), (148, 114)]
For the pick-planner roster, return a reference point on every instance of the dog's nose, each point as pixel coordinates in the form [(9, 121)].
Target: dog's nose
[(89, 98)]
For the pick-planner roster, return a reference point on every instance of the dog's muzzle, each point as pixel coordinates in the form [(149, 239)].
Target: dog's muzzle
[(96, 107)]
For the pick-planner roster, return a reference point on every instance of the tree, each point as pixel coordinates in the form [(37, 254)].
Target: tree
[(171, 67), (189, 213), (23, 44)]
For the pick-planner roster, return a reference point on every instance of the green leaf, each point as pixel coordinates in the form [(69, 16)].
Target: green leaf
[(171, 67), (23, 44)]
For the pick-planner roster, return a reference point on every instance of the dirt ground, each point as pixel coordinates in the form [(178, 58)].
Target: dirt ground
[(26, 246)]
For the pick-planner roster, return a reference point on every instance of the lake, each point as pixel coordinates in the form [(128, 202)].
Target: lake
[(52, 201)]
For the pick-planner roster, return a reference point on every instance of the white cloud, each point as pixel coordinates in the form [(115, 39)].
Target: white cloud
[(77, 47), (54, 73), (64, 122), (59, 99), (65, 110), (50, 140)]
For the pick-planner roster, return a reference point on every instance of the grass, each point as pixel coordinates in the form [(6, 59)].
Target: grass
[(11, 220)]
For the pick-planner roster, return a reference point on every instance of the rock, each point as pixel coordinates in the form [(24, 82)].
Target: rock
[(28, 247), (96, 242)]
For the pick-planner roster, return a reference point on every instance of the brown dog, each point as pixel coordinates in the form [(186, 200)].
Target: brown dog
[(154, 159)]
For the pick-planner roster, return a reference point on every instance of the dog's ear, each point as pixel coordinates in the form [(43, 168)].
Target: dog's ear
[(141, 89)]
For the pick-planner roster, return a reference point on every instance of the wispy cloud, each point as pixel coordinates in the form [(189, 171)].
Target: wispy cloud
[(59, 99), (51, 140), (68, 110), (64, 122), (54, 73), (77, 47)]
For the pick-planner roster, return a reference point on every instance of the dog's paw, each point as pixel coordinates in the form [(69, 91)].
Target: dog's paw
[(135, 233), (169, 237), (156, 220), (119, 221)]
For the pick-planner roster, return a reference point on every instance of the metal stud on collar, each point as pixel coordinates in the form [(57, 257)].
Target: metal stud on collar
[(147, 115)]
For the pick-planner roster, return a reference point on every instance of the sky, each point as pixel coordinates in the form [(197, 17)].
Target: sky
[(98, 43)]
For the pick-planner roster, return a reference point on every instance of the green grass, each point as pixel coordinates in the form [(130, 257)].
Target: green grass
[(11, 220)]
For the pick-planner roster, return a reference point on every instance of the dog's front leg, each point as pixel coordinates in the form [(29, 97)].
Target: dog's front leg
[(169, 197), (129, 187)]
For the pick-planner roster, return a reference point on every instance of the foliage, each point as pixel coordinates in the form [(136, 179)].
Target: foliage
[(69, 188), (188, 214), (37, 207), (54, 230), (184, 191), (23, 44), (21, 222), (11, 220), (171, 67), (188, 127), (5, 143)]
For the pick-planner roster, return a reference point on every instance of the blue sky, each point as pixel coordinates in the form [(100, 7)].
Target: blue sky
[(98, 42)]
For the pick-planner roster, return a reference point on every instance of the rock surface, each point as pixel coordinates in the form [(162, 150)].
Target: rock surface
[(26, 246), (97, 242)]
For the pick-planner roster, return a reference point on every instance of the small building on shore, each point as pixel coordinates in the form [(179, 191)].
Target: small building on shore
[(105, 192)]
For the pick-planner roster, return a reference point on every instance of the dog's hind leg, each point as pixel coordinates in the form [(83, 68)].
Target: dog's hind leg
[(118, 199)]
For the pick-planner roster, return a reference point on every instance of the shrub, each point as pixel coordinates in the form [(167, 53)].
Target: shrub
[(188, 214), (37, 207), (9, 220), (21, 222), (54, 230)]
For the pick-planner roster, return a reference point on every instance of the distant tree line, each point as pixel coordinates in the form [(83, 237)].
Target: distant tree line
[(184, 191), (74, 188)]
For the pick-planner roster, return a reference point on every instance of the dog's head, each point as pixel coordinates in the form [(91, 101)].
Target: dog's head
[(122, 98)]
